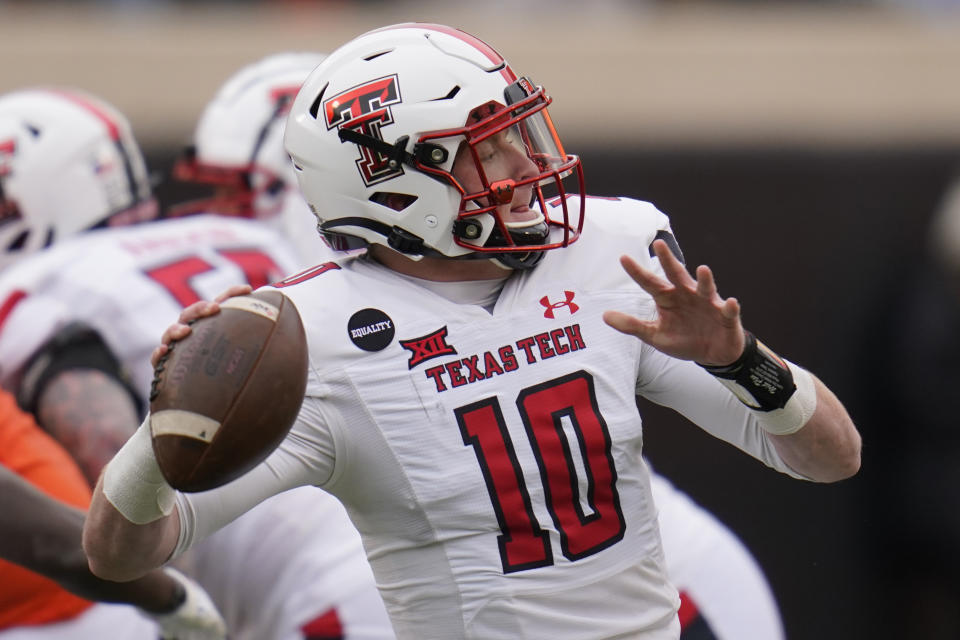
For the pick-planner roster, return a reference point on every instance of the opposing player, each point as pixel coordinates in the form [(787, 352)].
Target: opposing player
[(471, 400), (46, 588)]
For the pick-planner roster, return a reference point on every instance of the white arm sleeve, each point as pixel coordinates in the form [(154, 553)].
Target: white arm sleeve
[(305, 457), (686, 388)]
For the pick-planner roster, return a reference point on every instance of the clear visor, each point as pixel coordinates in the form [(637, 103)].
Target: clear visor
[(527, 125), (521, 223)]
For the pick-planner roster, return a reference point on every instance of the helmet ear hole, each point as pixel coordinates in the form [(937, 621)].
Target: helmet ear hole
[(395, 201)]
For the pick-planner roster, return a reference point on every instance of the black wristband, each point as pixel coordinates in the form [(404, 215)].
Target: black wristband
[(763, 381)]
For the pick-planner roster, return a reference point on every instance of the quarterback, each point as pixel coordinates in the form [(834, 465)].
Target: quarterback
[(473, 376)]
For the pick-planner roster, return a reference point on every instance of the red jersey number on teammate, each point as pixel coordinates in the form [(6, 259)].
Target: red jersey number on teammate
[(258, 269)]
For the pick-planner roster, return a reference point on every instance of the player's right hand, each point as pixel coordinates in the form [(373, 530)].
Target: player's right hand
[(201, 309)]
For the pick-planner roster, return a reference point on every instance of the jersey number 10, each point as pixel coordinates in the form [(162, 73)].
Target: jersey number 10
[(544, 409)]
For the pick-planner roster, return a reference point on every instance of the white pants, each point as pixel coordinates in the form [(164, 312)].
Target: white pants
[(114, 621)]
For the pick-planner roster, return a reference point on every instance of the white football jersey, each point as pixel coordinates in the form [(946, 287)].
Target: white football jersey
[(491, 459), (302, 562), (129, 284)]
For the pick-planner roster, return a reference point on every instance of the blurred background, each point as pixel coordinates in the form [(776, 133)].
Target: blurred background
[(804, 150)]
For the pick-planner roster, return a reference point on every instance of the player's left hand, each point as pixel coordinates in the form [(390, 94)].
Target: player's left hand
[(196, 618), (693, 322)]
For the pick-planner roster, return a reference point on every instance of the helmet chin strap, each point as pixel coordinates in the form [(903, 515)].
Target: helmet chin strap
[(517, 261), (530, 232)]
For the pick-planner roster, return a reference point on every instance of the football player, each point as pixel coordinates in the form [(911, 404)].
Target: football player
[(237, 155), (75, 314), (46, 588), (304, 573), (80, 321), (472, 385), (78, 282), (237, 160)]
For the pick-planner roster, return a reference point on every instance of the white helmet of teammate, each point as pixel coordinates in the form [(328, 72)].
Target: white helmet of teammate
[(238, 142), (68, 163), (374, 132)]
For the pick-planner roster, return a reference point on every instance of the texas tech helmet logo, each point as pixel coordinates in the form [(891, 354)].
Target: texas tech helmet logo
[(366, 108)]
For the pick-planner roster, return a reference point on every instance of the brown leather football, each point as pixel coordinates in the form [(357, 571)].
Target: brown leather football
[(224, 397)]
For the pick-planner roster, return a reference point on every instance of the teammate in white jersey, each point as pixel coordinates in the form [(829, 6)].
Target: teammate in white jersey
[(471, 398), (108, 293), (724, 593), (237, 154), (68, 162), (304, 573)]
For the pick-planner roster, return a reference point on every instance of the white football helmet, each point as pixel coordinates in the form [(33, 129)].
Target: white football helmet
[(68, 163), (238, 142), (375, 130)]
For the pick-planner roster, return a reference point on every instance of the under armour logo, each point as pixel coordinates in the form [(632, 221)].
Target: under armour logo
[(545, 301), (426, 347)]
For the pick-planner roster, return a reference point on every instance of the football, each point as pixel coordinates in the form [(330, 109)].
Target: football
[(225, 396)]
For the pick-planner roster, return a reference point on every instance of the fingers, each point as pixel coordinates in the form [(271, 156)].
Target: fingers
[(157, 354), (630, 325), (648, 280), (197, 310), (234, 291), (680, 279), (706, 286), (730, 309), (675, 271), (181, 329), (176, 331), (201, 309)]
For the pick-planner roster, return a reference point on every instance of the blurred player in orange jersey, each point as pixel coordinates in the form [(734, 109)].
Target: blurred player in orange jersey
[(46, 588)]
